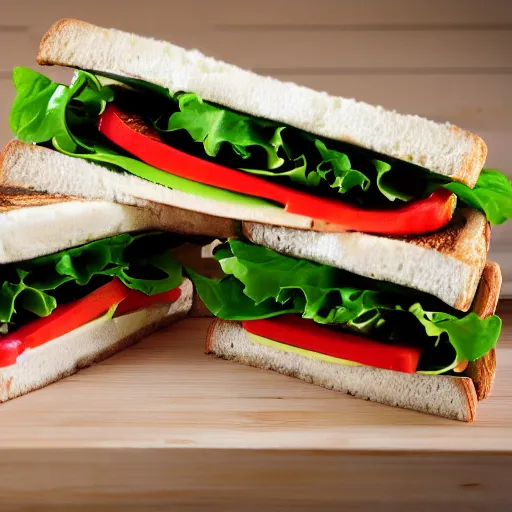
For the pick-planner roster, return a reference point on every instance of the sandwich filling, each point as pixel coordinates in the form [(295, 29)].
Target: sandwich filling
[(182, 142), (329, 311), (49, 296)]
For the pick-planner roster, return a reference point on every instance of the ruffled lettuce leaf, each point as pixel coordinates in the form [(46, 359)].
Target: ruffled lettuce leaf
[(492, 195), (460, 331), (305, 160), (261, 283), (142, 262), (45, 111), (214, 126)]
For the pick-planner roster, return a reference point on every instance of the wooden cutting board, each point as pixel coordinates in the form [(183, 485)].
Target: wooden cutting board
[(162, 426)]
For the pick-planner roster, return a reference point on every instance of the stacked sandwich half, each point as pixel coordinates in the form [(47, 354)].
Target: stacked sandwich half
[(353, 240)]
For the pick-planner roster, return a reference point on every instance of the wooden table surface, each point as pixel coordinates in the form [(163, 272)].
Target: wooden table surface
[(163, 424)]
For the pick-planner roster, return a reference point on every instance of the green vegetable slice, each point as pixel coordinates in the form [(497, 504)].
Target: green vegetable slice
[(492, 195)]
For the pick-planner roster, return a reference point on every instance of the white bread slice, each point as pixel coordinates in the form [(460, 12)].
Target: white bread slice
[(35, 224), (452, 397), (86, 345), (442, 148), (38, 168), (447, 264)]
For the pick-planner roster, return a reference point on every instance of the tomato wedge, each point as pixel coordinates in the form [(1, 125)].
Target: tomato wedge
[(416, 217), (69, 317), (307, 334)]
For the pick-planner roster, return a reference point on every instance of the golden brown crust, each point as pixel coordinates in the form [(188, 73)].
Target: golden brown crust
[(4, 154), (210, 337), (46, 42), (13, 197), (7, 154), (483, 370), (474, 161), (468, 388), (466, 238), (488, 293), (466, 223)]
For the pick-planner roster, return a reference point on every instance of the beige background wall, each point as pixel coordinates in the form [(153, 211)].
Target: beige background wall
[(449, 60)]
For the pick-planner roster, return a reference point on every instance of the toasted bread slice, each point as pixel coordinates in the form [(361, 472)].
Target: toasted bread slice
[(33, 225), (37, 168), (442, 148), (447, 264), (36, 222), (452, 397)]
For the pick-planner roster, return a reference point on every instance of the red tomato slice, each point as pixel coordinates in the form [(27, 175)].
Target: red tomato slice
[(68, 317), (138, 300), (421, 216), (306, 334), (9, 351)]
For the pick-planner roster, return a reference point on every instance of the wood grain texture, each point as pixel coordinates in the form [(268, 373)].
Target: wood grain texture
[(162, 425), (235, 480), (166, 392), (269, 13)]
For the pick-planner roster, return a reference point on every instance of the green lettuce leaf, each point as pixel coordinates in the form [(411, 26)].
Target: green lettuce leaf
[(305, 160), (483, 334), (261, 283), (214, 126), (492, 195), (142, 262), (45, 111)]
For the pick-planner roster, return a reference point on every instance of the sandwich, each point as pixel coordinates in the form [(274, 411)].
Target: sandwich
[(80, 280), (347, 225), (369, 338), (173, 126)]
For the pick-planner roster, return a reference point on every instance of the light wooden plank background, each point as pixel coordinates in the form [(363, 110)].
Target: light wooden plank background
[(448, 60)]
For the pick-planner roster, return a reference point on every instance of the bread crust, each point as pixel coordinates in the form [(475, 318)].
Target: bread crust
[(483, 370), (11, 199), (475, 159), (14, 197), (461, 156), (22, 195), (466, 238)]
